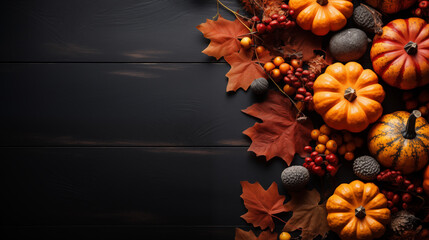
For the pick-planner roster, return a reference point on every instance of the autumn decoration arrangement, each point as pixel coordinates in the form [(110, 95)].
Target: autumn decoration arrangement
[(327, 74)]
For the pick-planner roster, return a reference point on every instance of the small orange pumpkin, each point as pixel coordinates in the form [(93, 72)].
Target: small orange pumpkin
[(400, 140), (391, 6), (358, 211), (321, 16), (348, 97), (426, 180), (401, 54)]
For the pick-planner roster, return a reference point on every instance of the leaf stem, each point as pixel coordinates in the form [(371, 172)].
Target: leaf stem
[(279, 219)]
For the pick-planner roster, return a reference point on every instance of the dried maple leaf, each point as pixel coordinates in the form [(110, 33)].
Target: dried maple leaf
[(224, 36), (298, 42), (261, 204), (280, 134), (243, 235), (245, 69), (308, 214)]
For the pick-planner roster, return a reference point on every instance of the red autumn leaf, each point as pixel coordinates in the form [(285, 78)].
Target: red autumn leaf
[(243, 235), (245, 69), (280, 134), (224, 36), (261, 204), (308, 214), (299, 42)]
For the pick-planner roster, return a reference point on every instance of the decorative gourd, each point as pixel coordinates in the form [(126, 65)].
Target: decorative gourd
[(348, 44), (321, 16), (259, 86), (400, 141), (401, 54), (348, 97), (391, 6), (358, 211), (426, 180)]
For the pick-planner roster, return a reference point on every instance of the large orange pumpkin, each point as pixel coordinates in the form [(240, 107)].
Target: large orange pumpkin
[(400, 140), (358, 211), (348, 97), (391, 6), (426, 180), (401, 54), (322, 16)]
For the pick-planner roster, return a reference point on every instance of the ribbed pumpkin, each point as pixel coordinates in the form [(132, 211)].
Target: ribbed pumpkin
[(401, 54), (400, 141), (391, 6), (348, 97), (322, 16), (358, 211), (426, 180)]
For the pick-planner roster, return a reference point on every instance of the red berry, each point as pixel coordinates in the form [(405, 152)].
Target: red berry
[(407, 182), (330, 168), (423, 4), (389, 204), (394, 210), (283, 25), (311, 76), (318, 160), (270, 28), (284, 7), (312, 164), (305, 72), (299, 70), (308, 94), (282, 18), (418, 12), (321, 172), (308, 149), (379, 178), (411, 187), (274, 23), (390, 195), (297, 84), (298, 74), (275, 16), (314, 154), (406, 198), (261, 28), (305, 165), (419, 190), (255, 19), (291, 12), (308, 159), (301, 90), (290, 24), (304, 79), (404, 206), (294, 78), (331, 158), (309, 84), (287, 80), (399, 179), (267, 21), (316, 168)]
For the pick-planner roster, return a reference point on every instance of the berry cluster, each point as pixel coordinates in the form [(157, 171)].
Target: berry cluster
[(417, 99), (422, 10), (295, 81), (332, 141), (275, 21), (319, 164), (402, 198)]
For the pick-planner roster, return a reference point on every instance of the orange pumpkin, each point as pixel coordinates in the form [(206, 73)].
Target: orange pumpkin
[(348, 97), (321, 16), (400, 140), (358, 211), (401, 54), (391, 6), (426, 180)]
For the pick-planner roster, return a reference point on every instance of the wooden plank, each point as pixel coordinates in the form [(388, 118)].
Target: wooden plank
[(120, 105), (106, 30), (129, 186)]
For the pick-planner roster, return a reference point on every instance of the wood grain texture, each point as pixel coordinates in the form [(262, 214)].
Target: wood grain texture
[(120, 105), (106, 30), (161, 186)]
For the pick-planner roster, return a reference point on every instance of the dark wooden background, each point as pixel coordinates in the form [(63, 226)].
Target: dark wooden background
[(114, 125)]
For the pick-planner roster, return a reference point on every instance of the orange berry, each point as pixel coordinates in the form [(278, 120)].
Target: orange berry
[(323, 139), (296, 63), (332, 146), (358, 142), (324, 129), (289, 90), (337, 138), (347, 137), (327, 152), (260, 49), (278, 61), (350, 146), (349, 156), (284, 236), (284, 67), (315, 134), (269, 66), (320, 148), (275, 73), (246, 42), (342, 150)]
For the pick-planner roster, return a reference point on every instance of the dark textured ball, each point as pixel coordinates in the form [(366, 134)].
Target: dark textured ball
[(295, 177), (259, 86), (348, 45), (366, 168)]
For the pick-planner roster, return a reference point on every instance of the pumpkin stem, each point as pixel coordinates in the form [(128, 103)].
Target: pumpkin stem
[(322, 2), (410, 128), (350, 94), (360, 212), (411, 48)]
